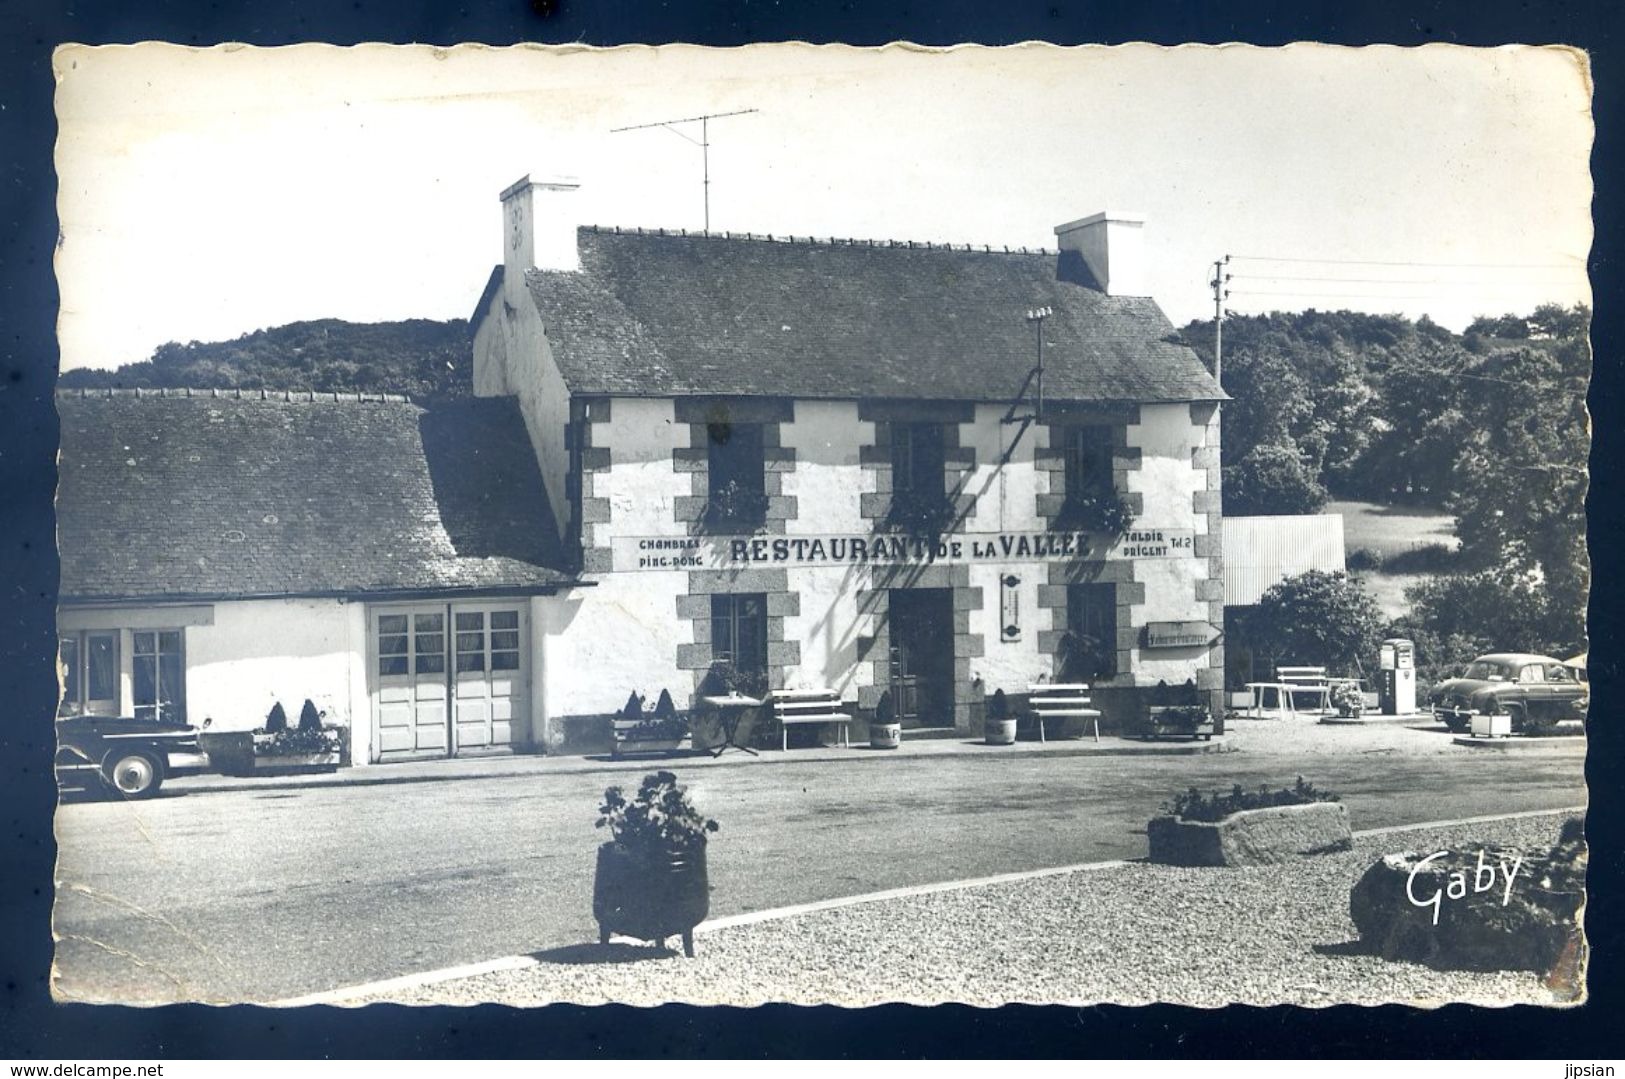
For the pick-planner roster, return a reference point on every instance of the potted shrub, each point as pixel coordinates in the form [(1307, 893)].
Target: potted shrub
[(885, 732), (660, 731), (311, 746), (1181, 721), (1348, 700), (1000, 728), (651, 881), (1247, 828)]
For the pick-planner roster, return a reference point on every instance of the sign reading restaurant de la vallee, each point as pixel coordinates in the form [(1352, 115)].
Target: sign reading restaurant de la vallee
[(960, 548)]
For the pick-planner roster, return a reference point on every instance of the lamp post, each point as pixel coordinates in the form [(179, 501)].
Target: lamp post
[(1038, 315)]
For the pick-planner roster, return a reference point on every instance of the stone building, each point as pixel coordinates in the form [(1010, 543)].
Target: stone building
[(836, 463)]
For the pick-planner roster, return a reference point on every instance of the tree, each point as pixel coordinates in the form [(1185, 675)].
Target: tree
[(1521, 480), (1315, 618), (1272, 480)]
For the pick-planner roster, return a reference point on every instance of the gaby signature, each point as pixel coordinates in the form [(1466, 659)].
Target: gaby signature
[(1484, 878)]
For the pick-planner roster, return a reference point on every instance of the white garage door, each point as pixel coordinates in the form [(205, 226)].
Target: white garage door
[(448, 678)]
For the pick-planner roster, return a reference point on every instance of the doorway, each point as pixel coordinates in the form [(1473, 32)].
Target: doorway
[(921, 631), (448, 679)]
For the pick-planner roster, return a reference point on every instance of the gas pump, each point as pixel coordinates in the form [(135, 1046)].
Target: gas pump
[(1397, 694)]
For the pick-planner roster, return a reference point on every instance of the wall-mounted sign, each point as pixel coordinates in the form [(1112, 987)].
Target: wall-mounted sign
[(1009, 607), (1179, 634), (960, 548)]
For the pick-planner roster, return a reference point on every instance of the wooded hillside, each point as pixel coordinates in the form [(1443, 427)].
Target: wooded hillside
[(419, 357)]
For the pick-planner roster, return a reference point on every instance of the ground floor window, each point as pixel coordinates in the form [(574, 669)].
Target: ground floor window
[(1089, 649), (158, 675), (739, 633), (90, 672)]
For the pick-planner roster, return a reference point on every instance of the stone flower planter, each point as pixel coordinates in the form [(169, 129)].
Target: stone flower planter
[(999, 732), (1252, 837)]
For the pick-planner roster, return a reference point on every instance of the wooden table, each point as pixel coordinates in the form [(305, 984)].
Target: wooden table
[(1284, 706), (731, 711)]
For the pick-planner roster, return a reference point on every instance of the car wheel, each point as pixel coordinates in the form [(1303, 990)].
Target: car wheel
[(133, 773)]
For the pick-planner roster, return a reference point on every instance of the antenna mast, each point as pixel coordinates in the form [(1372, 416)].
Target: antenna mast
[(703, 142)]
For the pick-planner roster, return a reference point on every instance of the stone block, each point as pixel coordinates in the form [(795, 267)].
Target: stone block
[(1252, 837), (1533, 925), (694, 657), (595, 511)]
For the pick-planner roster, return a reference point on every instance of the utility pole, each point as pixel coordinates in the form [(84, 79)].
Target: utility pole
[(1220, 278), (704, 143)]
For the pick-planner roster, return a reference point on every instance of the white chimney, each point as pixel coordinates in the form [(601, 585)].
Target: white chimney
[(539, 227), (1111, 247)]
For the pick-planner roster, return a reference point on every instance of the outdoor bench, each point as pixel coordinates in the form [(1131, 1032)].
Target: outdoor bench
[(1061, 701), (798, 706)]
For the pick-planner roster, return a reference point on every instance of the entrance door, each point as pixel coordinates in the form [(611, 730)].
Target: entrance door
[(410, 686), (449, 679), (488, 684), (921, 624)]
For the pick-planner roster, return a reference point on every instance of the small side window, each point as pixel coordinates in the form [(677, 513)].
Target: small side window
[(1532, 673)]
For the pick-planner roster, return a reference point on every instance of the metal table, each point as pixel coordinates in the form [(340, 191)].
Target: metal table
[(731, 711)]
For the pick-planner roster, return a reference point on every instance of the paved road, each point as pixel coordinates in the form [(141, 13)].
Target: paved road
[(259, 895)]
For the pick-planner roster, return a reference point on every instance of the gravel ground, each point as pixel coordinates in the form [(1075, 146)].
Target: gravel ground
[(1306, 736), (1126, 935)]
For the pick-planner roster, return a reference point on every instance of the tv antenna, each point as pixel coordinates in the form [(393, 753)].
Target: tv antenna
[(703, 142)]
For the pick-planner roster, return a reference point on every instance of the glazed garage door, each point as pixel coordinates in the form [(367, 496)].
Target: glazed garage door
[(447, 679)]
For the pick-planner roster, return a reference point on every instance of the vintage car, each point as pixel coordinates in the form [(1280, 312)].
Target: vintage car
[(1531, 689), (122, 755)]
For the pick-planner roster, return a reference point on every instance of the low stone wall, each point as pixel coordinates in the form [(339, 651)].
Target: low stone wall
[(1252, 837)]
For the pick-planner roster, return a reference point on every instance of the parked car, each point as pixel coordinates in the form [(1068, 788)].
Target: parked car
[(1529, 688), (122, 755)]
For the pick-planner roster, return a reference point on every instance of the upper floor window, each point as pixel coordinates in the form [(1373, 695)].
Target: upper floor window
[(736, 494), (919, 489), (1088, 462)]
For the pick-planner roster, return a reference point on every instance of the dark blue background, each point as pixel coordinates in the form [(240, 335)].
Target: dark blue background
[(32, 1028)]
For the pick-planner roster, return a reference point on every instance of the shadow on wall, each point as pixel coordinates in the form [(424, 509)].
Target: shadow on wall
[(486, 485)]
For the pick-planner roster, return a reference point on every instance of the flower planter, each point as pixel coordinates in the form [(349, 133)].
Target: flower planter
[(885, 735), (1168, 722), (231, 753), (1492, 726), (650, 897), (1252, 837), (1000, 732), (284, 764), (653, 745)]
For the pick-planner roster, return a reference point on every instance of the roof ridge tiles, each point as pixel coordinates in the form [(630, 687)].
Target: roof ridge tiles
[(232, 393), (815, 241)]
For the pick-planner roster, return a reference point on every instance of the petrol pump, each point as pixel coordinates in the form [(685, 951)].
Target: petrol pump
[(1397, 694)]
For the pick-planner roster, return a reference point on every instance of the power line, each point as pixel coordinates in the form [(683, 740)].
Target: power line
[(1459, 265), (1361, 280)]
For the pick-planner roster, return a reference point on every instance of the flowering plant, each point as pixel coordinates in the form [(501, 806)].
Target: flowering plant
[(1347, 699), (659, 819)]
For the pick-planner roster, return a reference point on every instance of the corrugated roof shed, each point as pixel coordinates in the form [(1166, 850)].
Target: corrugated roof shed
[(1263, 551), (166, 495), (671, 315)]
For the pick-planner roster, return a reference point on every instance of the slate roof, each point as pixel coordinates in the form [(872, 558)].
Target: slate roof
[(172, 496), (673, 315)]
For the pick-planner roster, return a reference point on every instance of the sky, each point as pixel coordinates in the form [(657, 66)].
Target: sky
[(207, 193)]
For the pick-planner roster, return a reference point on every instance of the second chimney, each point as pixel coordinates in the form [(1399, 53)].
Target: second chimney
[(1110, 245), (538, 230)]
